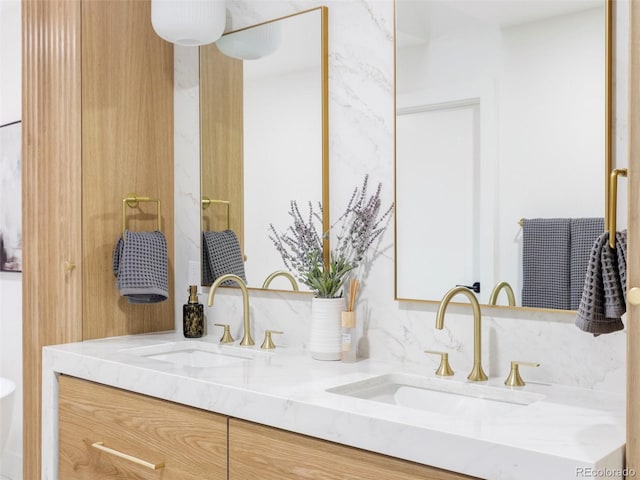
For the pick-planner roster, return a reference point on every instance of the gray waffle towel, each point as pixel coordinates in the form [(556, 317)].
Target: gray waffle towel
[(584, 232), (140, 267), (221, 254), (546, 252), (604, 296), (555, 255)]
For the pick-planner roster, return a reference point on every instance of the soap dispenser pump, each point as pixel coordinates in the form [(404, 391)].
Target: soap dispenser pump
[(193, 315)]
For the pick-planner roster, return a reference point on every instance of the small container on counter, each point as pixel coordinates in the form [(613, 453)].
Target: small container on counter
[(193, 315), (349, 341)]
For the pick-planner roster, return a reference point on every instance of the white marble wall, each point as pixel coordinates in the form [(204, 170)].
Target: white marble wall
[(186, 171), (361, 59)]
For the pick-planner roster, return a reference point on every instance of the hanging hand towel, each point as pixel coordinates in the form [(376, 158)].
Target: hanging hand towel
[(221, 254), (140, 267), (546, 252), (604, 296)]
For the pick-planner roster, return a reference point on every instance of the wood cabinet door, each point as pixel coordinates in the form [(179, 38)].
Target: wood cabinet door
[(107, 433), (633, 271), (256, 451)]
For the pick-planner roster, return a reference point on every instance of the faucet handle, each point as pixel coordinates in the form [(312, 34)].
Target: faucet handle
[(444, 370), (514, 379), (268, 343), (226, 335)]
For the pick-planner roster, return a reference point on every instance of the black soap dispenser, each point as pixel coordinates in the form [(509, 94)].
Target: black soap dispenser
[(193, 315)]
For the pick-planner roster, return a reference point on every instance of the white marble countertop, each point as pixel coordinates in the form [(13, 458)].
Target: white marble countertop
[(568, 433)]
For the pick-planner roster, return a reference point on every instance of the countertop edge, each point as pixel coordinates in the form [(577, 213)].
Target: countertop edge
[(433, 448)]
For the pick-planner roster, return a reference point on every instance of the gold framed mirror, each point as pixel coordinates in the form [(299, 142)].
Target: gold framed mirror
[(503, 114), (264, 134)]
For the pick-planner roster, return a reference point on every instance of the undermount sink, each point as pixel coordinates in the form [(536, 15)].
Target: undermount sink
[(436, 395), (195, 353)]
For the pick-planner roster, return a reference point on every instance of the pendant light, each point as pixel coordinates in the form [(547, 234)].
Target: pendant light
[(252, 43), (188, 22)]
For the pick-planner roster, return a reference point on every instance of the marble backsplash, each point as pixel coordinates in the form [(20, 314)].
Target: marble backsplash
[(361, 79)]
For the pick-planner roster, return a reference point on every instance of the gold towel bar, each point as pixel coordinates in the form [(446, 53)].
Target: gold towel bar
[(131, 201), (207, 202), (613, 203)]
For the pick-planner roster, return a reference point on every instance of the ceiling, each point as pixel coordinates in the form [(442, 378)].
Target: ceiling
[(419, 21)]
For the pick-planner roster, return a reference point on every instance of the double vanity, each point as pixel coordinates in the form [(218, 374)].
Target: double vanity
[(246, 412)]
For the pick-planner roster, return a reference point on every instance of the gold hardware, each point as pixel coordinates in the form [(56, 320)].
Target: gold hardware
[(633, 296), (226, 335), (153, 466), (514, 379), (511, 298), (207, 202), (131, 201), (326, 223), (444, 370), (281, 273), (246, 338), (521, 222), (68, 266), (609, 15), (476, 374), (613, 203), (268, 343)]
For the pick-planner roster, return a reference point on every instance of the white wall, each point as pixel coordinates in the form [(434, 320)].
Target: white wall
[(11, 283), (281, 164), (549, 95), (551, 150), (361, 59)]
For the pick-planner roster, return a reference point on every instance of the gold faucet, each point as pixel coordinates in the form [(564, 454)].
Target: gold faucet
[(477, 374), (246, 338), (281, 273), (511, 298)]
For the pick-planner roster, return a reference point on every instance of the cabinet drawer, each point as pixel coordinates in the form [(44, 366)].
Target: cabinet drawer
[(256, 451), (185, 443)]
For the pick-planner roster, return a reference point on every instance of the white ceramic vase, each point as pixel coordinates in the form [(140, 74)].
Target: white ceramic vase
[(324, 342)]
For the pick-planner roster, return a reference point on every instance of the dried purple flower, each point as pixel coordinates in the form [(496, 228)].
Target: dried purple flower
[(358, 228)]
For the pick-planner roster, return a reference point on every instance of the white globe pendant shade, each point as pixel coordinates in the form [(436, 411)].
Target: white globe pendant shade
[(253, 43), (188, 22)]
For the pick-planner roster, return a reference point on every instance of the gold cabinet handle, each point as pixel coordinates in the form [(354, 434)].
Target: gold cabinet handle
[(68, 266), (153, 466), (633, 296)]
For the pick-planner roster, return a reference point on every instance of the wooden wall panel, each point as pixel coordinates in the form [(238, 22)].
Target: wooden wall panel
[(97, 124), (633, 315), (127, 147), (51, 197), (221, 133)]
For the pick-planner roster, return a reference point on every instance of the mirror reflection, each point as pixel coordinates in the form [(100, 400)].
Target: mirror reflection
[(500, 139), (263, 136)]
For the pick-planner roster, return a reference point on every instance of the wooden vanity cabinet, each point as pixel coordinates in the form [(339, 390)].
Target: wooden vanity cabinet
[(193, 444), (256, 451), (189, 443)]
